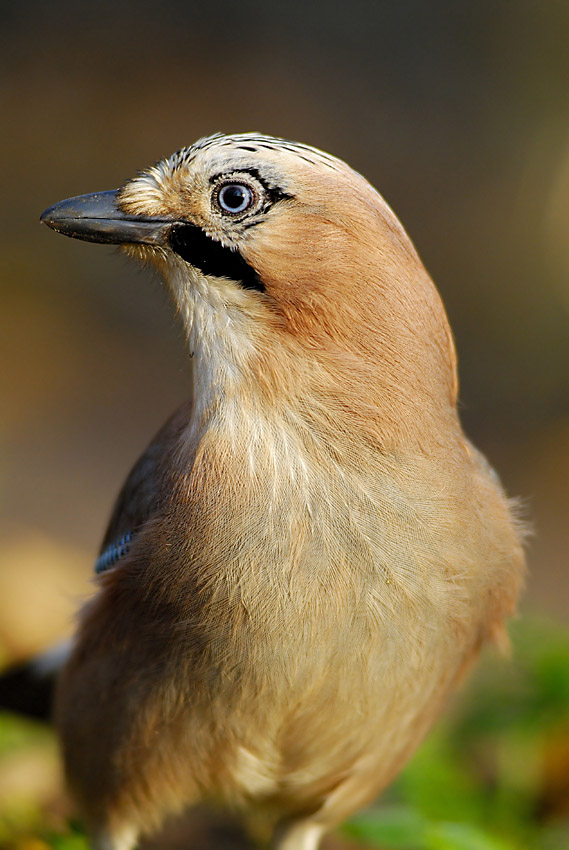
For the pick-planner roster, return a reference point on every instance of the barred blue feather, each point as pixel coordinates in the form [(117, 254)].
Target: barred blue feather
[(113, 553)]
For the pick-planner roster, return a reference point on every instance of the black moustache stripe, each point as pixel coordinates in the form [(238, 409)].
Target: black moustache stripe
[(211, 257)]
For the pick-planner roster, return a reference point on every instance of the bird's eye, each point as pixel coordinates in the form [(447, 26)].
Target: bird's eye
[(235, 197)]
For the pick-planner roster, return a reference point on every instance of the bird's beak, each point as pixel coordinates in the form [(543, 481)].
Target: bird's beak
[(97, 218)]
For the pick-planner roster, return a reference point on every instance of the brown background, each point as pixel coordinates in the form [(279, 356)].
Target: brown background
[(457, 112)]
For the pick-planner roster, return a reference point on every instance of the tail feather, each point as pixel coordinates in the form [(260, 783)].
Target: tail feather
[(28, 688)]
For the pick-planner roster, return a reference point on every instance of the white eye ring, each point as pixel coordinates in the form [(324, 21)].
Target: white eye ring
[(235, 198)]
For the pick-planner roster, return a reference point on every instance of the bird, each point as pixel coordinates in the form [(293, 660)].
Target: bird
[(310, 554)]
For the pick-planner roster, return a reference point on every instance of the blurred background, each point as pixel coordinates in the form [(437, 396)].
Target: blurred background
[(459, 114)]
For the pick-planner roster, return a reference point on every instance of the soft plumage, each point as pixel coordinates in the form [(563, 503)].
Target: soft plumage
[(316, 553)]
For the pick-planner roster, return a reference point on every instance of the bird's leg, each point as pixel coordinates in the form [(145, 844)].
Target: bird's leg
[(302, 835)]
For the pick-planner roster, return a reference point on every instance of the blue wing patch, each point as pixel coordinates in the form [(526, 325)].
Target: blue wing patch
[(114, 553)]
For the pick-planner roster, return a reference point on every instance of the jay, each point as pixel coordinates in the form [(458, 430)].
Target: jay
[(310, 554)]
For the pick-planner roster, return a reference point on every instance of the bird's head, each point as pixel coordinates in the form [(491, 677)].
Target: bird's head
[(274, 248)]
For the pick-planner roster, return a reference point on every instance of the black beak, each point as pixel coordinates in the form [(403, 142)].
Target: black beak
[(97, 218)]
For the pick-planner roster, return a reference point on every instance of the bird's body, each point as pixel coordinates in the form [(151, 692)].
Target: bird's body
[(310, 554)]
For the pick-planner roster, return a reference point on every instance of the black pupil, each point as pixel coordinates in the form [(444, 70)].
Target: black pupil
[(234, 197)]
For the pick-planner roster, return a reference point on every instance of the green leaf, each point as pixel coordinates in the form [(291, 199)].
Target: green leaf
[(396, 827), (72, 841), (18, 732), (461, 836)]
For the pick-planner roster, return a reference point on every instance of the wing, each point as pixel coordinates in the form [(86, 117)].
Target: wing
[(141, 494), (28, 687)]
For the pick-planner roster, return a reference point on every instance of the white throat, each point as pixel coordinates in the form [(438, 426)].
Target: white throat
[(220, 334)]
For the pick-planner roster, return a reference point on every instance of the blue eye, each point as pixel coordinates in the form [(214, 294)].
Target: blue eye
[(235, 197)]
